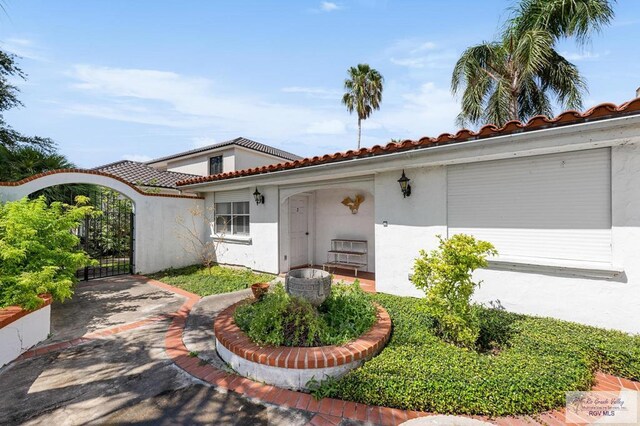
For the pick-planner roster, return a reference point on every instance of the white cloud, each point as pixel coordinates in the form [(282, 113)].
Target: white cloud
[(328, 127), (137, 157), (415, 53), (22, 47), (429, 111), (327, 6)]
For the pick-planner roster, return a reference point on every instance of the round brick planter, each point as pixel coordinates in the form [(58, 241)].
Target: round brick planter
[(293, 367)]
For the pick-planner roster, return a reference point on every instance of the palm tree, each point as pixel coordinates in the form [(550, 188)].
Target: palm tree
[(514, 78), (563, 18), (520, 75), (363, 92)]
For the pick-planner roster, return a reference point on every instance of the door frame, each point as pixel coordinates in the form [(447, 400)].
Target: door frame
[(285, 234)]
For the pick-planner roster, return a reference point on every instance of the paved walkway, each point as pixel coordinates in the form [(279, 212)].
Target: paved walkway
[(106, 363), (122, 351)]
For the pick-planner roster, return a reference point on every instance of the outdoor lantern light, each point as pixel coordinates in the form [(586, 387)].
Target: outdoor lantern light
[(404, 185), (258, 197)]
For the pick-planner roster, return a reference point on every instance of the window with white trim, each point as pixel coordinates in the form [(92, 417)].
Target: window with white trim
[(232, 218)]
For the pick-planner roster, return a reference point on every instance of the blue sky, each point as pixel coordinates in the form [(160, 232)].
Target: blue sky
[(113, 79)]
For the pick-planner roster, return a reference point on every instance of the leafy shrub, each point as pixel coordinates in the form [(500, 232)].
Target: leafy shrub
[(347, 312), (38, 252), (282, 320), (445, 276), (215, 280), (541, 359)]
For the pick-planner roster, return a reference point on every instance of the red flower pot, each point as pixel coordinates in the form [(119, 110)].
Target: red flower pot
[(259, 290)]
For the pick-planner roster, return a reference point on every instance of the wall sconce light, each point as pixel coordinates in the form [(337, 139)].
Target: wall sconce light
[(258, 197), (404, 185)]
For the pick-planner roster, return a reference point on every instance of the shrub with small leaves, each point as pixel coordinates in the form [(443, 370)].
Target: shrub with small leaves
[(38, 252), (540, 359), (445, 275), (283, 320)]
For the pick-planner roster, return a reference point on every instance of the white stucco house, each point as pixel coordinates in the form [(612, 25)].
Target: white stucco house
[(559, 198)]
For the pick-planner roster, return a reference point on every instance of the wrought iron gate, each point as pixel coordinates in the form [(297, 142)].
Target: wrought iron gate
[(108, 237)]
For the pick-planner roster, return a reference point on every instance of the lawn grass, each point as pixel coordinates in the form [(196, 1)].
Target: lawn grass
[(533, 363), (205, 282)]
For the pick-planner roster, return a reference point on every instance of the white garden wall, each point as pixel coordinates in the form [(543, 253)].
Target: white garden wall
[(23, 333), (157, 245)]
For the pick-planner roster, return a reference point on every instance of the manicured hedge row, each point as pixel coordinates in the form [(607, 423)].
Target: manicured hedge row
[(533, 363)]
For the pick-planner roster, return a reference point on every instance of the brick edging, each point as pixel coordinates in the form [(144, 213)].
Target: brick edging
[(14, 313), (236, 341)]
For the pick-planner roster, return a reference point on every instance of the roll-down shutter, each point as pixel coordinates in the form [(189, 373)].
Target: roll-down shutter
[(554, 206)]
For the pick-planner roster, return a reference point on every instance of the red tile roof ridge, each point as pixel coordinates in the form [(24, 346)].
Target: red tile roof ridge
[(538, 122)]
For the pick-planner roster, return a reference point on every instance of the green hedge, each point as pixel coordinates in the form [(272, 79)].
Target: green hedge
[(526, 367)]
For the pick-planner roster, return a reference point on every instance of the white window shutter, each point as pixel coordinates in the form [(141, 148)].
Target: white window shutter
[(555, 206)]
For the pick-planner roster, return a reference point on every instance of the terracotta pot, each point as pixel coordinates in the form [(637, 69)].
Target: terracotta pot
[(259, 290)]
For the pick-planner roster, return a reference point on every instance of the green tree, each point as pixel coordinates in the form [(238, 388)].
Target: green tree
[(38, 254), (10, 138), (363, 92), (521, 74), (445, 275)]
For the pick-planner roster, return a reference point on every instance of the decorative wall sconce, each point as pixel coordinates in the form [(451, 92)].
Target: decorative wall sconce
[(404, 185), (353, 205), (258, 197)]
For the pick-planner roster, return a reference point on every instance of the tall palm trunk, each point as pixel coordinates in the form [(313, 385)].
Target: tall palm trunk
[(359, 130)]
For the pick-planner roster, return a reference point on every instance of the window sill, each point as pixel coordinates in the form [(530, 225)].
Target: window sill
[(591, 270), (233, 239)]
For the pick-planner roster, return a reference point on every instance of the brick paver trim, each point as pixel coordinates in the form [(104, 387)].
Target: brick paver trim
[(367, 345)]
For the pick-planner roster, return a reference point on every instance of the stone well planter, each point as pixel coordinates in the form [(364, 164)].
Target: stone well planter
[(311, 284), (21, 329), (293, 367)]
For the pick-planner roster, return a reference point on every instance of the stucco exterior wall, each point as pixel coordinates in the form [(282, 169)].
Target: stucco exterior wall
[(260, 250), (157, 245), (412, 224), (199, 165), (334, 220), (249, 159)]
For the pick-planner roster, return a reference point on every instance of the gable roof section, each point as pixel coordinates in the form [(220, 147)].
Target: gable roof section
[(243, 142), (599, 112), (138, 173)]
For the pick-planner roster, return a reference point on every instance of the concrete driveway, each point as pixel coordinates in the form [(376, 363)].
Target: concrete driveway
[(121, 377)]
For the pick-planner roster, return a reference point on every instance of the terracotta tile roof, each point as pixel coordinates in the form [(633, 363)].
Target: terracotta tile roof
[(243, 142), (138, 173), (599, 112)]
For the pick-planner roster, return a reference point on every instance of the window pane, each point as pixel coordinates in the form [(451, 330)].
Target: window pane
[(223, 208), (241, 207), (241, 225), (215, 165), (223, 224)]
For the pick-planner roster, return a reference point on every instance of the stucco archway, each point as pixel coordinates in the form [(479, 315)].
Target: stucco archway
[(156, 244)]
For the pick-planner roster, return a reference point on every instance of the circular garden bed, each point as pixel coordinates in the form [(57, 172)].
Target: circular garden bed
[(286, 343)]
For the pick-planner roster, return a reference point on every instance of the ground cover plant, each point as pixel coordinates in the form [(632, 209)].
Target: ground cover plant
[(215, 280), (530, 364), (38, 252), (283, 320)]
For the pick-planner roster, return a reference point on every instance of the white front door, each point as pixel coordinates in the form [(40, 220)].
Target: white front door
[(298, 231)]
